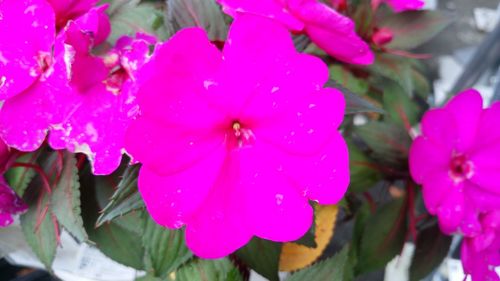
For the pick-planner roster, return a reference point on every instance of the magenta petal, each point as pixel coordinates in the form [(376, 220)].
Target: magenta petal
[(405, 5), (452, 210), (270, 8), (323, 177), (439, 126), (480, 198), (435, 188), (282, 85), (184, 76), (421, 164), (253, 61), (221, 219), (487, 167), (172, 199), (27, 31), (283, 214), (182, 148), (334, 33), (489, 119), (466, 108), (300, 130)]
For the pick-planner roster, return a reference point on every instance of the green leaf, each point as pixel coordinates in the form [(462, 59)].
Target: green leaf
[(421, 84), (202, 13), (383, 237), (329, 269), (66, 199), (432, 246), (344, 77), (234, 275), (39, 225), (354, 103), (204, 270), (262, 256), (19, 177), (148, 277), (389, 142), (394, 68), (308, 239), (122, 244), (118, 243), (129, 17), (414, 28), (165, 248), (364, 172), (125, 199), (398, 105)]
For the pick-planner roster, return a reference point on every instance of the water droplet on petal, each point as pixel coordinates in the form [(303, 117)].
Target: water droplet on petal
[(279, 199)]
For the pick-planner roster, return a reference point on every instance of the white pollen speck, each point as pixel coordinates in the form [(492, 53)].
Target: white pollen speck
[(2, 81), (208, 83), (92, 132), (274, 89), (279, 199)]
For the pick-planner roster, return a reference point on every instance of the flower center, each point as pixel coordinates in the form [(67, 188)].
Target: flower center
[(240, 136), (461, 168), (44, 65)]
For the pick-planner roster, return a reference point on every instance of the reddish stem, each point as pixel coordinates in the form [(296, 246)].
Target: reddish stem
[(371, 202)]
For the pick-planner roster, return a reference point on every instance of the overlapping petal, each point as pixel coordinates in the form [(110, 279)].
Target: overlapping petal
[(330, 30)]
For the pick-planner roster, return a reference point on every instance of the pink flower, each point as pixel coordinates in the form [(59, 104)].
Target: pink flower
[(401, 5), (10, 204), (67, 10), (33, 73), (481, 254), (328, 29), (456, 161), (234, 143), (103, 90)]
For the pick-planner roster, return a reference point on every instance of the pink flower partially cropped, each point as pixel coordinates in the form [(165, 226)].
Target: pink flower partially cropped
[(456, 161), (103, 90), (481, 254), (10, 204), (401, 5), (330, 30), (33, 73), (67, 10), (234, 143)]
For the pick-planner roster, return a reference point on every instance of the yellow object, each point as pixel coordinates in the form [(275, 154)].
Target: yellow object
[(294, 256)]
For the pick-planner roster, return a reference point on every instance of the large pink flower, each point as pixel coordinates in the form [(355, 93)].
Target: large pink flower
[(103, 90), (33, 73), (456, 161), (481, 254), (234, 143), (327, 28), (401, 5)]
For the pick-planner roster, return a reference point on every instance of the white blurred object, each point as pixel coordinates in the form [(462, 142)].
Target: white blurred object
[(431, 4), (398, 268), (486, 19), (73, 261)]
